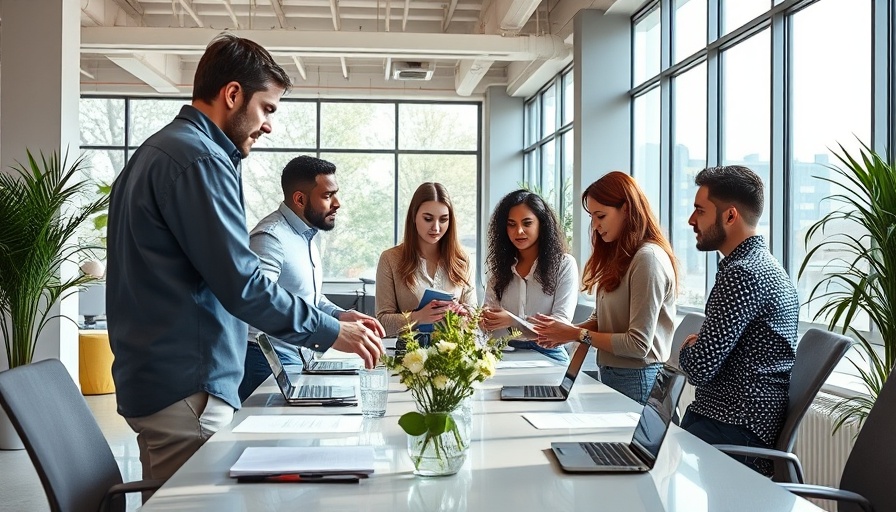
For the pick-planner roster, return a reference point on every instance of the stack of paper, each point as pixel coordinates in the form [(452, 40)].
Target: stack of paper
[(563, 420), (304, 460)]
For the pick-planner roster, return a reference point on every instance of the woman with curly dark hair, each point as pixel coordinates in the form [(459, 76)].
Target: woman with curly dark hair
[(529, 270), (633, 273)]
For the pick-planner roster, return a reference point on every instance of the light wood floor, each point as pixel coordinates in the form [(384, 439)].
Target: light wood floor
[(21, 490)]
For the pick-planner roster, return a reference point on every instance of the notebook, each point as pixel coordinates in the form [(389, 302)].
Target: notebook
[(329, 367), (304, 460), (429, 295), (303, 395), (640, 454), (545, 393)]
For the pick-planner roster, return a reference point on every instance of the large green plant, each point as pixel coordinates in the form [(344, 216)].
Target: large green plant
[(861, 278), (39, 216)]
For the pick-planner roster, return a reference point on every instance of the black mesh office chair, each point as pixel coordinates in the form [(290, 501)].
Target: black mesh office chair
[(867, 480), (816, 356), (68, 450)]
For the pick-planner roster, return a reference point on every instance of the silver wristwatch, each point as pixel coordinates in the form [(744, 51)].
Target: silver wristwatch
[(585, 337)]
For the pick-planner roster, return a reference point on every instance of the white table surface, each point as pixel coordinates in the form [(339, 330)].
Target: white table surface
[(509, 466)]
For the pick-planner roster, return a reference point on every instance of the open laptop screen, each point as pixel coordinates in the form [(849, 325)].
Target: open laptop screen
[(657, 414), (575, 365)]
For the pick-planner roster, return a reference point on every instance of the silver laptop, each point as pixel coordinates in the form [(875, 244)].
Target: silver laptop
[(314, 366), (306, 394), (640, 454), (545, 393)]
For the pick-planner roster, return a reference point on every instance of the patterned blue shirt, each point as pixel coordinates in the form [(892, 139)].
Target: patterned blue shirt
[(181, 281), (744, 353)]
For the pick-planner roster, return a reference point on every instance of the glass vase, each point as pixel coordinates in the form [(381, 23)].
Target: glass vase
[(442, 454)]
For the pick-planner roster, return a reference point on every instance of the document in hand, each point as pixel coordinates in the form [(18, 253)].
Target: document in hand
[(304, 460), (429, 295)]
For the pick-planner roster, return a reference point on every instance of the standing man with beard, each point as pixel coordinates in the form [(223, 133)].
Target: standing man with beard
[(182, 282), (284, 244), (741, 359)]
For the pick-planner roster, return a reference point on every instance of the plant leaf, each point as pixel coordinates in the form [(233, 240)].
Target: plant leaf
[(413, 423)]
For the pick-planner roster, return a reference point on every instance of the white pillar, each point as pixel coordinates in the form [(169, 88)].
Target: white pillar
[(39, 93)]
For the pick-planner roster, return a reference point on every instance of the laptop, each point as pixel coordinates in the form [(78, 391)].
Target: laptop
[(324, 367), (546, 393), (640, 454), (306, 394)]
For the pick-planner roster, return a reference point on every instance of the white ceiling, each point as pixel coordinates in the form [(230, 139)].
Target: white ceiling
[(336, 47)]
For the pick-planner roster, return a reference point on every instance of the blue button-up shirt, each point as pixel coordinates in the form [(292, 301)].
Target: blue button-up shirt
[(181, 280), (285, 246)]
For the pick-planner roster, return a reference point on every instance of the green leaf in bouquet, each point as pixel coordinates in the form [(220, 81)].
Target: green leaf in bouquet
[(438, 423), (413, 423)]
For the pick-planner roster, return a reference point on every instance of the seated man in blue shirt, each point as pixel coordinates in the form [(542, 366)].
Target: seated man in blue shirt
[(741, 359), (284, 244), (182, 282)]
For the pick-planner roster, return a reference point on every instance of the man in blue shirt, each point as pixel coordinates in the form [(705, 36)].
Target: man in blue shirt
[(284, 244), (741, 360), (182, 282)]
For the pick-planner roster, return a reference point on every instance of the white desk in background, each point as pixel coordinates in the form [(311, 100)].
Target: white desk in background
[(509, 465)]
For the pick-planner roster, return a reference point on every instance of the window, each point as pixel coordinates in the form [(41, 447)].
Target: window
[(646, 44), (382, 150), (689, 158), (548, 156), (737, 12), (646, 142), (689, 34), (746, 110), (833, 106)]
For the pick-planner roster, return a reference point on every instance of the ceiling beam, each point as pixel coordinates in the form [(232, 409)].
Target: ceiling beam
[(388, 68), (388, 13), (448, 15), (88, 75), (131, 7), (513, 14), (278, 10), (188, 7), (404, 18), (231, 13), (151, 69), (334, 13), (344, 67), (300, 65), (468, 75)]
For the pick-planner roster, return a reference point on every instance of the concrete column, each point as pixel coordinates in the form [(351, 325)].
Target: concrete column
[(39, 92)]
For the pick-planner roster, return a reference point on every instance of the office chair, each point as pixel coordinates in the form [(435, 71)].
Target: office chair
[(72, 458), (867, 480), (816, 356), (690, 324)]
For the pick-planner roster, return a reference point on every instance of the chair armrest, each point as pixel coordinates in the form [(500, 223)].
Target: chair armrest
[(828, 493), (128, 487), (763, 453)]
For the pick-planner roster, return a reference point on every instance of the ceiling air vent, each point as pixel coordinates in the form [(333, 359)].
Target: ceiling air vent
[(412, 70)]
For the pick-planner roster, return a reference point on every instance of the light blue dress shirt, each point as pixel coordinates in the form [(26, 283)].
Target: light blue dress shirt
[(285, 246), (181, 281)]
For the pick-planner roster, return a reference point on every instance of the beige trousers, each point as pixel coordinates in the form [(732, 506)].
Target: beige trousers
[(169, 437)]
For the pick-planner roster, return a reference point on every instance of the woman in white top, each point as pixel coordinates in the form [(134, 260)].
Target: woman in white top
[(430, 256), (530, 270), (633, 272)]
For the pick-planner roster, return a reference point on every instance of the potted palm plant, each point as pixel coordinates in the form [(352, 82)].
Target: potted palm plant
[(861, 278), (41, 210)]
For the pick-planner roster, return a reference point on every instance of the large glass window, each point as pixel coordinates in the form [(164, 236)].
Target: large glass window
[(689, 34), (646, 142), (746, 110), (646, 54), (689, 158), (831, 105), (548, 156), (737, 12), (382, 150)]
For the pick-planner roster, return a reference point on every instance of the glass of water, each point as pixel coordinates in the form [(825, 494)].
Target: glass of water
[(374, 391)]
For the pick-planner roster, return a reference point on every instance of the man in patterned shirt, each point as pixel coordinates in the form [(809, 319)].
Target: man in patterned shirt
[(741, 359)]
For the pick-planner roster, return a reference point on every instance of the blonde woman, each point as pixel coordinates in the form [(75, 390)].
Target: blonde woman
[(430, 256)]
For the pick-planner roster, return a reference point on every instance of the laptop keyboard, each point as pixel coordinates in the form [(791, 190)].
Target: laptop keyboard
[(541, 391), (611, 454), (313, 392)]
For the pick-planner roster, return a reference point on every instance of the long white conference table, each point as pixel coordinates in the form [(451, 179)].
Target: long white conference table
[(509, 465)]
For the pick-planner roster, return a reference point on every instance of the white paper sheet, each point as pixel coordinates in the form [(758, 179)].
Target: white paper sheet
[(279, 460), (525, 323), (299, 424), (531, 363), (565, 420)]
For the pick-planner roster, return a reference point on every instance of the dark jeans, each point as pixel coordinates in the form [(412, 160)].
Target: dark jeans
[(717, 432), (557, 355), (634, 383), (258, 369)]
